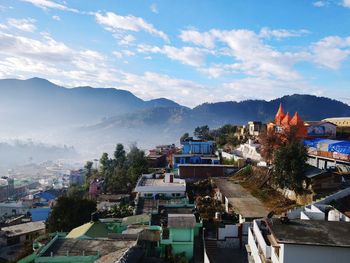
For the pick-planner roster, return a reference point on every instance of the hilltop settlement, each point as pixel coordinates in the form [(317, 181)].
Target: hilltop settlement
[(264, 192)]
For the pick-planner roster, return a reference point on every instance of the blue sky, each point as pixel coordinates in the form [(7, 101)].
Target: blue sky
[(188, 51)]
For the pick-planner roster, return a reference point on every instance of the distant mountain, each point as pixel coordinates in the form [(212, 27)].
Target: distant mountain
[(39, 102), (100, 117)]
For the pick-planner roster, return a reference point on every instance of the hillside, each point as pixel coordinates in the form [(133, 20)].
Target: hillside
[(88, 117)]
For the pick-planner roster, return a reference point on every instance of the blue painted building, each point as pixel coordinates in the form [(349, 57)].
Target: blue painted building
[(197, 147), (196, 152)]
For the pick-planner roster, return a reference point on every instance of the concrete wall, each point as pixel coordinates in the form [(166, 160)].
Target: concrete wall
[(313, 254), (227, 232)]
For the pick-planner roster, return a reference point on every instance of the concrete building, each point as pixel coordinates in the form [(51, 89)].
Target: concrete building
[(239, 201), (18, 234), (8, 209), (282, 240), (255, 128), (249, 150), (181, 234), (160, 186), (190, 146), (205, 170), (321, 129)]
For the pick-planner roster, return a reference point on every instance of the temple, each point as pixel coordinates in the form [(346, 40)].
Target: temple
[(284, 122)]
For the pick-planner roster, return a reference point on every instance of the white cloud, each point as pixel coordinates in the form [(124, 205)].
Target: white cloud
[(154, 8), (205, 39), (47, 4), (331, 51), (320, 3), (26, 24), (57, 18), (346, 3), (266, 32), (126, 39), (186, 55), (117, 23)]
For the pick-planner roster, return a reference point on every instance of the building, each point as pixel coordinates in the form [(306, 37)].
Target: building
[(96, 187), (343, 126), (6, 188), (162, 155), (255, 128), (285, 122), (181, 235), (160, 186), (18, 234), (321, 129), (239, 201), (191, 146), (249, 150), (284, 240), (12, 208), (205, 170), (339, 121)]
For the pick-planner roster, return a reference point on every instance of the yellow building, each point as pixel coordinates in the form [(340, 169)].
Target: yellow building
[(340, 121)]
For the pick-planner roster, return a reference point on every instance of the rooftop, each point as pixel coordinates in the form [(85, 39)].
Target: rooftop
[(311, 232), (157, 181), (91, 229), (22, 229), (181, 221), (90, 247), (241, 200)]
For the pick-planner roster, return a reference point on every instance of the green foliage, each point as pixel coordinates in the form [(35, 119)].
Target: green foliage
[(290, 165), (70, 212), (203, 133), (75, 191), (122, 171), (184, 137), (121, 210)]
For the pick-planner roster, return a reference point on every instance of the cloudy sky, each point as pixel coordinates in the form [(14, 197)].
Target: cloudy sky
[(185, 50)]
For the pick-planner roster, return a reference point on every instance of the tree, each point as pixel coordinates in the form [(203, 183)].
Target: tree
[(290, 165), (70, 212), (137, 164), (270, 142), (184, 137), (120, 155), (203, 132)]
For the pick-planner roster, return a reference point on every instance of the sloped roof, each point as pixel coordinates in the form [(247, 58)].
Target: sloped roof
[(91, 229), (181, 220), (136, 219)]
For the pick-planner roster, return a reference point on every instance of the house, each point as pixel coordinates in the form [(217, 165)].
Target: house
[(255, 128), (205, 170), (284, 240), (18, 234), (343, 126), (321, 129), (12, 208), (160, 186), (180, 235), (191, 146), (239, 201), (96, 187)]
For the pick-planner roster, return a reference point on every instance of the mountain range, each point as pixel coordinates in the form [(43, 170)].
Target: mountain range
[(86, 116)]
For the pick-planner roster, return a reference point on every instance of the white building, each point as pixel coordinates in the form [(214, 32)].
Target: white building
[(8, 209), (288, 241), (160, 185), (249, 150)]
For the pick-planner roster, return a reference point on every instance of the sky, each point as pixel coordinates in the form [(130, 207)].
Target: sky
[(188, 51)]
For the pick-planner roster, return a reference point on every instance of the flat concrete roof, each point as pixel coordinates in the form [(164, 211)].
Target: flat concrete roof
[(311, 232), (21, 229), (241, 200), (207, 165), (90, 247)]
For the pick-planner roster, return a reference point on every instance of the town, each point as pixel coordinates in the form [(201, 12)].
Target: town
[(262, 192)]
